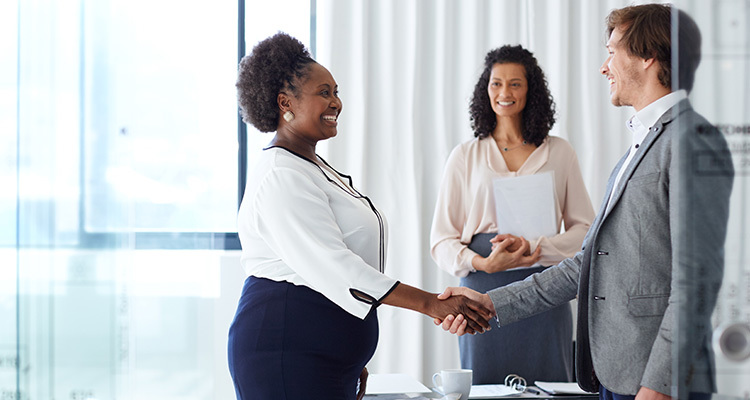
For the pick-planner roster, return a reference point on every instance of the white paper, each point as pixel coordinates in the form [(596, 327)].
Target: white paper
[(393, 384), (560, 387), (525, 205), (491, 391)]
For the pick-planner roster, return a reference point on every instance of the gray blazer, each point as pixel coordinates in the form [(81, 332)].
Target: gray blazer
[(650, 268)]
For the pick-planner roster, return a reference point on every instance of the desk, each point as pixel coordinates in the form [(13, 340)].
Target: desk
[(525, 395), (402, 386), (438, 396)]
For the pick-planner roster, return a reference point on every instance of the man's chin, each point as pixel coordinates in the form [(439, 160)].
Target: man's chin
[(617, 102)]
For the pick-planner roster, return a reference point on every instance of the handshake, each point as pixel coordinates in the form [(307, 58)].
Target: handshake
[(463, 311)]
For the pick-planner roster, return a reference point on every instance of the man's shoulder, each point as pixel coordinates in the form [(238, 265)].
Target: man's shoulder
[(683, 116)]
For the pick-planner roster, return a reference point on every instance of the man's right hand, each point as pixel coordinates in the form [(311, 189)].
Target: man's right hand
[(475, 314), (458, 324)]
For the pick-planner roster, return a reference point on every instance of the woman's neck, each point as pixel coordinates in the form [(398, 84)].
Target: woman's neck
[(300, 147), (508, 131)]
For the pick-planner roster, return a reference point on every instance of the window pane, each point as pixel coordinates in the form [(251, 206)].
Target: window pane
[(160, 119)]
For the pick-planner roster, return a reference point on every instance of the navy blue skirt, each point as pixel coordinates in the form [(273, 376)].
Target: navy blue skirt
[(538, 348), (291, 342)]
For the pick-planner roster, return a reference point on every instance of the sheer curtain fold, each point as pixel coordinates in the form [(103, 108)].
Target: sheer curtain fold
[(407, 70)]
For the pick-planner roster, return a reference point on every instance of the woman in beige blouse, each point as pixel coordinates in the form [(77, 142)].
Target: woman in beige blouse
[(512, 112)]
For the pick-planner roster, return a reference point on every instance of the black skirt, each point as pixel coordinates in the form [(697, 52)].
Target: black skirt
[(291, 342)]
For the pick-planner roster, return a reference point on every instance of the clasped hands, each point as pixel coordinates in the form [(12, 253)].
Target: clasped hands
[(508, 251)]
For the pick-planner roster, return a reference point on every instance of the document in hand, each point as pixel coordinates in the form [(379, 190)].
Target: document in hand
[(525, 205)]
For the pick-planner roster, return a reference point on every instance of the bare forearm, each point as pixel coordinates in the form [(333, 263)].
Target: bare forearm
[(409, 297), (479, 263)]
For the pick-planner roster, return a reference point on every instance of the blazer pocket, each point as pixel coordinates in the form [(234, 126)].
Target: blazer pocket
[(648, 305), (644, 179)]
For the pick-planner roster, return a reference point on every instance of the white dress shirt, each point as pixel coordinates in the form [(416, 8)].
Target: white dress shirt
[(639, 125), (297, 226)]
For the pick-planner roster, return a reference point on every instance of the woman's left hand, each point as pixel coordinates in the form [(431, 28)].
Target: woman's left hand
[(362, 384), (502, 259), (515, 245)]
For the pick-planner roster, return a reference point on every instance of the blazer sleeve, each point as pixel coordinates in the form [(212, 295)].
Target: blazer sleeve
[(450, 216), (537, 293), (300, 227), (577, 214)]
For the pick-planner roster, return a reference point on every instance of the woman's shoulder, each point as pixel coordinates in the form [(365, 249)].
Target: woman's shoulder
[(275, 165), (559, 145), (471, 145), (279, 159), (466, 150), (559, 142)]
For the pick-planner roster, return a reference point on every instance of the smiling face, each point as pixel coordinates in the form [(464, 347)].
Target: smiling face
[(507, 89), (622, 71), (316, 106)]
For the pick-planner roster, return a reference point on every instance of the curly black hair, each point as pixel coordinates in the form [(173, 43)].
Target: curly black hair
[(275, 64), (538, 115)]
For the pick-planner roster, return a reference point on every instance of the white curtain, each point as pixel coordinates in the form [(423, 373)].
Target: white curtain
[(406, 70)]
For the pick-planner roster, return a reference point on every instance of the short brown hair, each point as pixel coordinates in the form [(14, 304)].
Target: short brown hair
[(647, 33)]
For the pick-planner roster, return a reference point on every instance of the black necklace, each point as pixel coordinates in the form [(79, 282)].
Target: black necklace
[(513, 148)]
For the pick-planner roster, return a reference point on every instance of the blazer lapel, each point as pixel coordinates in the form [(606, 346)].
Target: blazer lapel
[(653, 134)]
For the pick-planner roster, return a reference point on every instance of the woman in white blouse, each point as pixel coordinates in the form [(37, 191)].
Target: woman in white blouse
[(312, 245), (512, 112)]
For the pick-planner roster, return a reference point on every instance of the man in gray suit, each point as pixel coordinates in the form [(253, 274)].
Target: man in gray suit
[(651, 265)]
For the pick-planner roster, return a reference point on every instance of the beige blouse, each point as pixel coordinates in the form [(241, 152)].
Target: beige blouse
[(466, 204)]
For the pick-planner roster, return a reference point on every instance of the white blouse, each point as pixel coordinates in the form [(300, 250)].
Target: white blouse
[(466, 205), (297, 226)]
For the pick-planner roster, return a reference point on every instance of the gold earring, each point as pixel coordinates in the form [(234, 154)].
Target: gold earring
[(288, 116)]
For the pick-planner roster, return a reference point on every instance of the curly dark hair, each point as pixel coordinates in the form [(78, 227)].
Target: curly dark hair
[(538, 115), (275, 64)]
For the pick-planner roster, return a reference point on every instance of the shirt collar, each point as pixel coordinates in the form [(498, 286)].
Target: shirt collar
[(652, 112), (639, 123)]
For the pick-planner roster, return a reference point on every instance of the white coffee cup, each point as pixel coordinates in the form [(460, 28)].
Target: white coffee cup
[(453, 381)]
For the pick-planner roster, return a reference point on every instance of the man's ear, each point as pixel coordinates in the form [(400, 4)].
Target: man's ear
[(284, 102), (648, 63)]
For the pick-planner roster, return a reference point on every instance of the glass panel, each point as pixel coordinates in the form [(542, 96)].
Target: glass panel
[(67, 296), (722, 95), (127, 122), (8, 196)]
